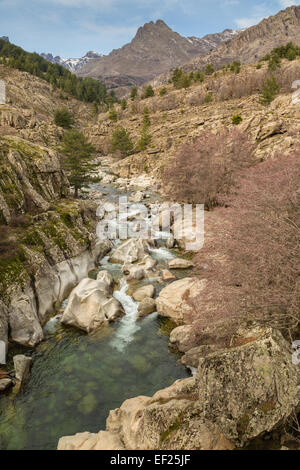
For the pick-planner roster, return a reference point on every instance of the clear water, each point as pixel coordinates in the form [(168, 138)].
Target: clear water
[(76, 379)]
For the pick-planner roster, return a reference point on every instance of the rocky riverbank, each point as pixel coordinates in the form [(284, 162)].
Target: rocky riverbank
[(244, 384), (49, 244)]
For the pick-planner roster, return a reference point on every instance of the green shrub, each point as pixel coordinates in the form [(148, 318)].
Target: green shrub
[(236, 119), (208, 98), (199, 77), (63, 118), (236, 67), (163, 91)]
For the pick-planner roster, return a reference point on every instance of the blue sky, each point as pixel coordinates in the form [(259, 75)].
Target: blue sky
[(70, 28)]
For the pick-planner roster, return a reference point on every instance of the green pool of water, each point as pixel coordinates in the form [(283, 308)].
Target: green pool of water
[(76, 379)]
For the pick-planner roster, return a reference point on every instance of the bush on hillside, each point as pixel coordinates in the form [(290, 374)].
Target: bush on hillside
[(259, 237), (205, 171), (149, 92), (237, 119), (63, 118)]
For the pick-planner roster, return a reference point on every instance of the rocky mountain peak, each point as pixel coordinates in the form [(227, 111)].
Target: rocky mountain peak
[(152, 28), (155, 49)]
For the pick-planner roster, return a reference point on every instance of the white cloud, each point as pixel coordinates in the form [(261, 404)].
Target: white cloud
[(288, 3), (109, 30), (259, 12)]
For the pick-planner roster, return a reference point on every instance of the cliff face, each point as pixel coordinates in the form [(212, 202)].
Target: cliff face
[(48, 241), (30, 107), (30, 178)]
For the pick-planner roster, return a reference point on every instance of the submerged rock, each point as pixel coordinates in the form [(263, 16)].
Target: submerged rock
[(22, 366), (90, 305)]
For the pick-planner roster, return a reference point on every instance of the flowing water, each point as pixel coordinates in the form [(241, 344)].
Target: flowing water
[(77, 378)]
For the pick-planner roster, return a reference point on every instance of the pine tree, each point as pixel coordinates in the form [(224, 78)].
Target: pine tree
[(209, 69), (121, 141), (269, 91), (133, 93), (123, 104), (113, 115), (78, 159), (146, 117), (149, 92), (144, 140)]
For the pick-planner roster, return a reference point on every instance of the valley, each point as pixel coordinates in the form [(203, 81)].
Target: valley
[(143, 344)]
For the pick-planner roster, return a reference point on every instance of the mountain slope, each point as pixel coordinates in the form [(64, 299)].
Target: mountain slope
[(155, 49), (253, 43)]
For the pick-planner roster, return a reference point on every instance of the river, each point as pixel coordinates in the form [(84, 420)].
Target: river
[(77, 378)]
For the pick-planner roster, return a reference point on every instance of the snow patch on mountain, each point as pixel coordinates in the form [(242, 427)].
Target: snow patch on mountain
[(72, 64)]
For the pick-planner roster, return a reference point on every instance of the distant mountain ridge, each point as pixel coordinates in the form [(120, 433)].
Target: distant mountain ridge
[(71, 64), (5, 38)]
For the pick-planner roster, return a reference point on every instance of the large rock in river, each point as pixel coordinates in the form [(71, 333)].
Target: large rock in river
[(173, 300), (130, 252), (91, 306), (104, 440), (180, 263), (143, 292)]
